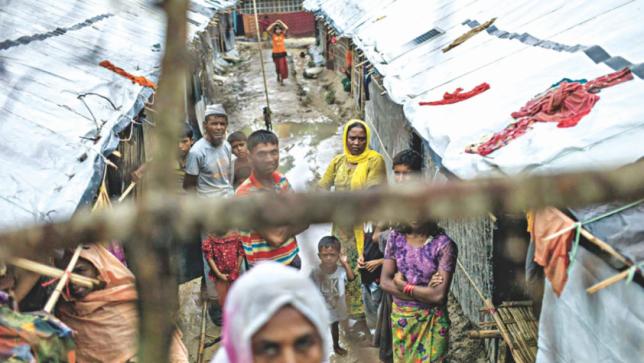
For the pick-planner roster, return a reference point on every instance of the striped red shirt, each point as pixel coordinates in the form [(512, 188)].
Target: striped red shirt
[(255, 247)]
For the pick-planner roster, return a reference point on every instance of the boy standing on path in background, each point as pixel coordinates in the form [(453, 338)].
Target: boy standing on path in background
[(331, 279), (237, 141)]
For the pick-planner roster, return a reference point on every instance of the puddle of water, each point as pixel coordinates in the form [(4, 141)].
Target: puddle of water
[(318, 131)]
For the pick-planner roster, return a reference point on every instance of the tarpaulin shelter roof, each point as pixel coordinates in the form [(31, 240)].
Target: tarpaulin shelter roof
[(531, 45), (52, 142), (201, 11)]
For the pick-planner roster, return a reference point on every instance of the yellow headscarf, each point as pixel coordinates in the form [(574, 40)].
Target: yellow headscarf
[(359, 178)]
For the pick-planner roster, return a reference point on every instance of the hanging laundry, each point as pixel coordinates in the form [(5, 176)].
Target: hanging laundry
[(460, 40), (458, 95), (566, 105), (552, 254), (135, 79)]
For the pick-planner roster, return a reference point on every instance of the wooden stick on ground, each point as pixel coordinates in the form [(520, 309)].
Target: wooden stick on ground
[(202, 335), (53, 299), (49, 271)]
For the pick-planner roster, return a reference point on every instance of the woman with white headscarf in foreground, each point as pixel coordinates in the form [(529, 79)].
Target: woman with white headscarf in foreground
[(273, 313)]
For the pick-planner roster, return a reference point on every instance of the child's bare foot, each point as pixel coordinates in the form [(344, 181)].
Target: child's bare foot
[(339, 351)]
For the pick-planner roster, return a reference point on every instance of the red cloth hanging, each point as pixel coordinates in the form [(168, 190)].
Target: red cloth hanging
[(566, 105), (458, 95), (552, 254), (135, 79)]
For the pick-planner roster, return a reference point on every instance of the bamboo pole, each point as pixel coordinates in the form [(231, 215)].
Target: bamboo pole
[(261, 55), (487, 324), (608, 282), (202, 334), (151, 241), (560, 232), (127, 191), (53, 272), (421, 200), (592, 239), (490, 309), (519, 329), (53, 299), (605, 247), (484, 334), (516, 303), (361, 64)]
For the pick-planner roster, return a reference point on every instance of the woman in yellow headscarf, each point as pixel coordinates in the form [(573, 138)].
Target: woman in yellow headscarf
[(358, 167)]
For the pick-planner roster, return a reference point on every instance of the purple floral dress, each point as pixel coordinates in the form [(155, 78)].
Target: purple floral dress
[(420, 331), (419, 264)]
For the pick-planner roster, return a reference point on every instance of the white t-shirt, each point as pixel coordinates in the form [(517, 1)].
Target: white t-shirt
[(332, 287)]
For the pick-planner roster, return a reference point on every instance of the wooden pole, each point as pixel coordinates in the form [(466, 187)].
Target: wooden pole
[(53, 299), (151, 243), (605, 247), (608, 282), (261, 55), (127, 191), (490, 309), (202, 335), (484, 334), (53, 272), (411, 202)]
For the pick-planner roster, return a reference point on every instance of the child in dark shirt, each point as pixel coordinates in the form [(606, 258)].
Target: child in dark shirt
[(237, 141)]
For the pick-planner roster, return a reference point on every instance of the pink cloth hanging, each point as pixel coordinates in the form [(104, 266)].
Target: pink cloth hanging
[(458, 95)]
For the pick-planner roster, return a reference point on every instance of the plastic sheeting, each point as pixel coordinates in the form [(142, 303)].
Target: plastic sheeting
[(604, 327), (50, 145), (404, 39)]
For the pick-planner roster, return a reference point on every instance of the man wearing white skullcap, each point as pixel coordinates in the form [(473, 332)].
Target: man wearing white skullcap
[(210, 171)]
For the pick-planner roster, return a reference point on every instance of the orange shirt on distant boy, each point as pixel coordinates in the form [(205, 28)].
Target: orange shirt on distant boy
[(279, 45)]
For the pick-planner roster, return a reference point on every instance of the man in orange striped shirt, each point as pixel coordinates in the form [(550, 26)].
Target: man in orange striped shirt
[(277, 243)]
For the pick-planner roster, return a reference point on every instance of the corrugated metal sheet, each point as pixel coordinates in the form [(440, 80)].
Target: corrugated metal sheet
[(52, 142), (530, 46)]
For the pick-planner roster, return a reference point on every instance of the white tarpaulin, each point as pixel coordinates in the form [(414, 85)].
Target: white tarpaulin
[(531, 46), (51, 141), (604, 327)]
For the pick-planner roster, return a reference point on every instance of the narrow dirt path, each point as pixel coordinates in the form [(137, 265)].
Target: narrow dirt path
[(309, 132)]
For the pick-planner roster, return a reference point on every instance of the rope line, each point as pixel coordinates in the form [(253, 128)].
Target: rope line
[(384, 149)]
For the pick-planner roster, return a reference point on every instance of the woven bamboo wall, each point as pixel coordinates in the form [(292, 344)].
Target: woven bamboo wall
[(388, 123), (474, 239)]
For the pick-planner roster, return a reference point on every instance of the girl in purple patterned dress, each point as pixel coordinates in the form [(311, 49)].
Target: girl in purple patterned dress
[(419, 263)]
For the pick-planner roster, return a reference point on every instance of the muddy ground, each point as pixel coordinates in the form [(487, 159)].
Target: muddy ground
[(309, 129)]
